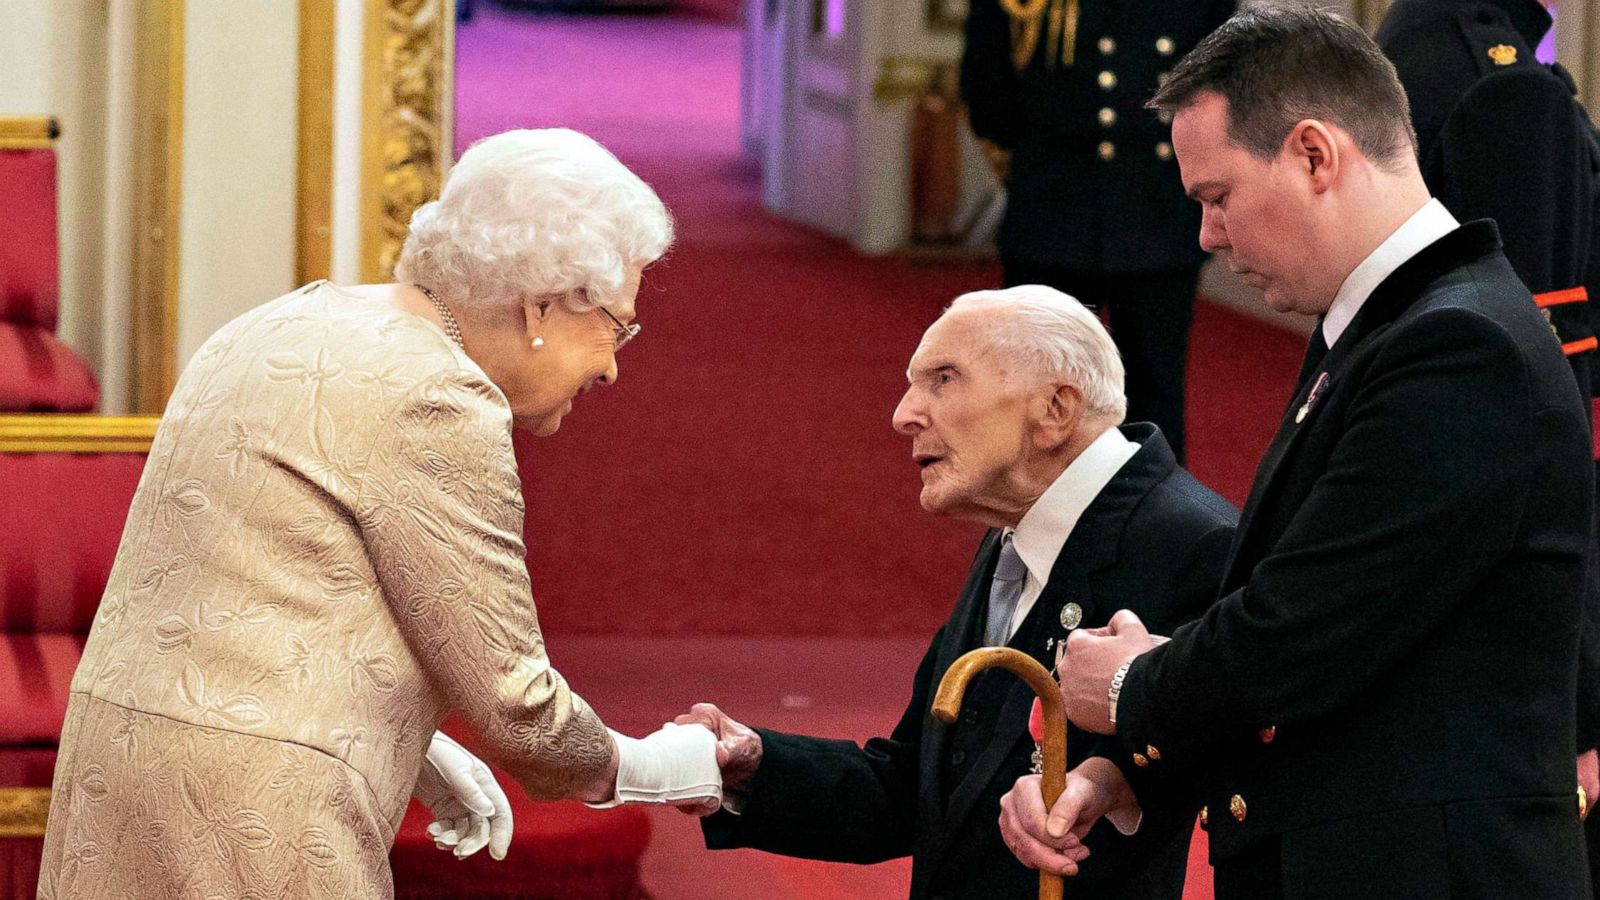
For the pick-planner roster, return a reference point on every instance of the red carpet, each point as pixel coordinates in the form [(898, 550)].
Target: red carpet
[(742, 478)]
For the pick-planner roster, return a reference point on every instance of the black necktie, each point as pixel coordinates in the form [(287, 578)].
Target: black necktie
[(1314, 354)]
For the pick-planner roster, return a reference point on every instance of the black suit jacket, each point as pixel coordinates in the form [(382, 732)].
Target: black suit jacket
[(1070, 205), (1381, 704), (1153, 541), (1502, 136)]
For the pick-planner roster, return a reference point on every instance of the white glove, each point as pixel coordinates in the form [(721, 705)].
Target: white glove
[(676, 765), (469, 808)]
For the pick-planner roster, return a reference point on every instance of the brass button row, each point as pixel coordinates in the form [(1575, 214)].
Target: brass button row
[(1108, 46), (1236, 806), (1150, 753), (1108, 151)]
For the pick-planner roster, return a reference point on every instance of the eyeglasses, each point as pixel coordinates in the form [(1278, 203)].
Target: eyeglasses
[(623, 333)]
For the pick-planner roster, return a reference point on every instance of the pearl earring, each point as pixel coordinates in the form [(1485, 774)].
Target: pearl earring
[(538, 341)]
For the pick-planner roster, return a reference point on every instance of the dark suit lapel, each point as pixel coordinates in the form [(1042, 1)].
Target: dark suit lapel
[(1092, 547), (958, 639), (1387, 303), (1296, 420)]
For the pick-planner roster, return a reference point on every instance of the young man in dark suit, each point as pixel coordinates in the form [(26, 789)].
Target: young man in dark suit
[(1013, 413), (1381, 704)]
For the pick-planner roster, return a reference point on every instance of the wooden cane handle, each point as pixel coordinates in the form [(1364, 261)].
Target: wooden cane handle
[(947, 706)]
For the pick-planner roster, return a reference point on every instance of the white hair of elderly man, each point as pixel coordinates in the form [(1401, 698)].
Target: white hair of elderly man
[(1050, 334)]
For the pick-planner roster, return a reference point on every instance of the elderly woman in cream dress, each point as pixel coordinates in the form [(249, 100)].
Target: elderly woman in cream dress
[(325, 555)]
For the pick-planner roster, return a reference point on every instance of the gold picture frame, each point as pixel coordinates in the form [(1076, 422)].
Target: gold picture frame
[(408, 98)]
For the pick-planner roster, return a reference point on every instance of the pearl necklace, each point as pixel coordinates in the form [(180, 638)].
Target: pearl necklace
[(452, 330)]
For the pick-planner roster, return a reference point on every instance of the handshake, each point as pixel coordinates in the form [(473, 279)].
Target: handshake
[(691, 763)]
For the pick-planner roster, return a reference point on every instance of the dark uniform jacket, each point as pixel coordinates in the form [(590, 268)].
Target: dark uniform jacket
[(1153, 541), (1381, 704), (1094, 185), (1502, 136)]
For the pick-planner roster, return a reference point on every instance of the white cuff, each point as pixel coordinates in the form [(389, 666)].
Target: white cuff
[(676, 765), (1126, 819)]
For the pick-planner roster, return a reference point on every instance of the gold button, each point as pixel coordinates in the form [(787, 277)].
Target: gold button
[(1108, 80), (1163, 150), (1205, 816), (1237, 807), (1165, 116), (1164, 46), (1152, 752), (1108, 117), (1107, 46), (1108, 151), (1071, 615), (1268, 733), (1162, 77), (1140, 761)]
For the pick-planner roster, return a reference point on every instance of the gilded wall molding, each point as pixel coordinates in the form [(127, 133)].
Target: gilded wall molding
[(158, 176), (23, 812), (28, 132), (72, 433), (313, 237), (407, 95)]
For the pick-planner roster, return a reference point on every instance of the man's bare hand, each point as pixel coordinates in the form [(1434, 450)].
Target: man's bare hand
[(1092, 656), (1025, 824), (738, 747)]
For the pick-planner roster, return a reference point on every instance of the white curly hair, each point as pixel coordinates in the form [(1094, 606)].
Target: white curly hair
[(1050, 336), (535, 212)]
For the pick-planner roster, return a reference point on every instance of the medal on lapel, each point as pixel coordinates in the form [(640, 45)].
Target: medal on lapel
[(1036, 731), (1036, 714), (1316, 391)]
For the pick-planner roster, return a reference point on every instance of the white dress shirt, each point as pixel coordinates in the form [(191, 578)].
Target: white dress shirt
[(1047, 524), (1425, 226)]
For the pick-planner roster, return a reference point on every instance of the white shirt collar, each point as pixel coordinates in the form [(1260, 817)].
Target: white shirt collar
[(1047, 524), (1425, 226)]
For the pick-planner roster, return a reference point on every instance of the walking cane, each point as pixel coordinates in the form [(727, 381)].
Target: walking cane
[(947, 705)]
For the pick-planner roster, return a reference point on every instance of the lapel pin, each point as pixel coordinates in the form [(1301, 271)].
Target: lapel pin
[(1316, 391)]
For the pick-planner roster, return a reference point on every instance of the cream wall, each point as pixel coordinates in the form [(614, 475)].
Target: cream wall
[(345, 258), (66, 58), (237, 212)]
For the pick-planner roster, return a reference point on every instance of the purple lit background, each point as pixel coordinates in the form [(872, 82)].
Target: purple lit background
[(1547, 47)]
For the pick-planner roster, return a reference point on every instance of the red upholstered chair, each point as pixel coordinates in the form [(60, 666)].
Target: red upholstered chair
[(66, 483), (37, 371)]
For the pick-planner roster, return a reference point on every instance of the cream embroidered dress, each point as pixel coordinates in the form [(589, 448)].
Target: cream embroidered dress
[(324, 553)]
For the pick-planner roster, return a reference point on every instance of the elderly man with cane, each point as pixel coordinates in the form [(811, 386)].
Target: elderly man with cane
[(1013, 411)]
